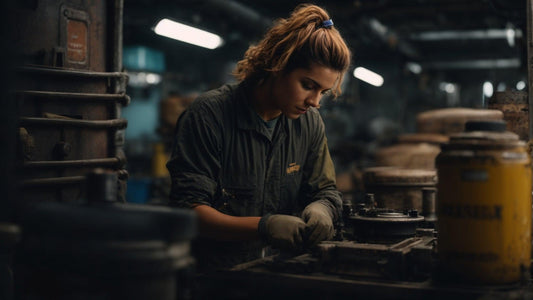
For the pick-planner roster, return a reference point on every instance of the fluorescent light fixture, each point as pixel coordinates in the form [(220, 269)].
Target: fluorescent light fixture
[(414, 67), (152, 78), (488, 89), (368, 76), (188, 34), (503, 63), (465, 34), (510, 34), (449, 88), (143, 79)]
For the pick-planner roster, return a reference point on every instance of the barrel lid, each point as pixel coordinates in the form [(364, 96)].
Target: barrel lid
[(490, 126), (452, 120), (399, 176), (460, 113), (485, 134), (116, 222), (431, 138)]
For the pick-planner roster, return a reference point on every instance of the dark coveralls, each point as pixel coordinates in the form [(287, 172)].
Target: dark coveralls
[(224, 157)]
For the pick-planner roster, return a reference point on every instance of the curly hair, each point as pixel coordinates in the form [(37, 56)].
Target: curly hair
[(296, 42)]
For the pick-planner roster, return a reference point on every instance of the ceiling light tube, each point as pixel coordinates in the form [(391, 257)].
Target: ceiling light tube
[(368, 76), (188, 34)]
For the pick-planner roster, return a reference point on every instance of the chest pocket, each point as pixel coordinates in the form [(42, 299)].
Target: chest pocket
[(290, 191), (238, 197)]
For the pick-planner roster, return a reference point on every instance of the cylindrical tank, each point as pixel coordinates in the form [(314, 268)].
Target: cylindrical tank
[(70, 90), (103, 251), (452, 120), (413, 151), (484, 205), (397, 188)]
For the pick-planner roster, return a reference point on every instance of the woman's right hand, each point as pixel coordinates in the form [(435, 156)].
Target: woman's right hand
[(282, 231)]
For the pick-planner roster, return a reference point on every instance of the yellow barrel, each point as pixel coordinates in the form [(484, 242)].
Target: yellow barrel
[(484, 205)]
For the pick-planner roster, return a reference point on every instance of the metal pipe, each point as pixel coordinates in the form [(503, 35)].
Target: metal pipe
[(64, 72), (98, 124), (529, 9), (96, 162), (52, 181), (240, 12), (122, 98)]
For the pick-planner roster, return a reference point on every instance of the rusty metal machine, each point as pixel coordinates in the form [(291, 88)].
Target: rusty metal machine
[(69, 89), (67, 231)]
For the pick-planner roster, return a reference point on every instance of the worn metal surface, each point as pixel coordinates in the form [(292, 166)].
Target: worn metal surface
[(529, 13), (377, 225), (345, 269), (69, 88), (515, 108), (397, 188), (452, 120), (484, 207), (64, 34)]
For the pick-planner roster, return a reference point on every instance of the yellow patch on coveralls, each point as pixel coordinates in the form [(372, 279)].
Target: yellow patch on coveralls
[(293, 167)]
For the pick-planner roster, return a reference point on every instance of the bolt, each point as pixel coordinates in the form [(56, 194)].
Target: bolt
[(62, 149)]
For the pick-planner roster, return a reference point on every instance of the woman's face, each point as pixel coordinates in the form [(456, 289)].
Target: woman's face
[(295, 92)]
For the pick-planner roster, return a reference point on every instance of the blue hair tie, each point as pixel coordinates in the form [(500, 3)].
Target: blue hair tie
[(327, 23)]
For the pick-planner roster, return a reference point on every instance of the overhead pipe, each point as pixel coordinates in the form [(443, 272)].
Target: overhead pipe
[(240, 12)]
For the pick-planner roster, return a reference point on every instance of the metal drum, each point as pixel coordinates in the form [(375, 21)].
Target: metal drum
[(452, 120), (413, 151), (104, 251), (396, 188), (484, 205)]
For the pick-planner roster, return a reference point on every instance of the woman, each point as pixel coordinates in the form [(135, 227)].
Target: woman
[(252, 159)]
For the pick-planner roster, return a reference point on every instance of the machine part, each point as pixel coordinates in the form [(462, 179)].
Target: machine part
[(380, 225), (9, 237), (52, 181), (27, 144), (97, 250), (397, 188), (452, 120), (70, 88), (102, 186), (429, 206), (123, 99), (117, 123), (484, 206), (98, 162)]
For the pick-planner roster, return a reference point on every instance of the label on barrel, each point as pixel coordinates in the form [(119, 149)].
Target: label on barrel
[(483, 212), (474, 175)]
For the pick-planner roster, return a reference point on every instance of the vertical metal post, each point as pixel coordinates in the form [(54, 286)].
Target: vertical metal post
[(119, 87), (530, 64)]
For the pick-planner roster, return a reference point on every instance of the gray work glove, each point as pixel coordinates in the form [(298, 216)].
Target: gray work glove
[(282, 231), (319, 223)]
